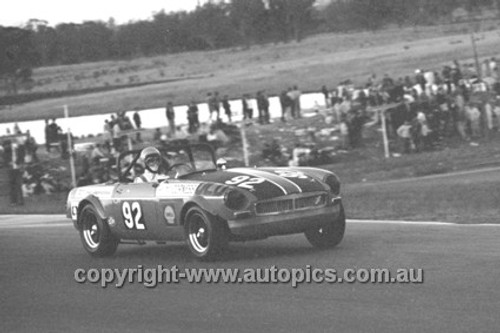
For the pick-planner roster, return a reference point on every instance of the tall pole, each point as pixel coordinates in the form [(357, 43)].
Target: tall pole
[(384, 134), (70, 149), (245, 143), (473, 41), (476, 59)]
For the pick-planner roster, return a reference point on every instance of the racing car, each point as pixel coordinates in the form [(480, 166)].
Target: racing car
[(203, 202)]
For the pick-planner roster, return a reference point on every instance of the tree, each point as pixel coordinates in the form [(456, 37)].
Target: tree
[(18, 56), (211, 24), (299, 16), (246, 15)]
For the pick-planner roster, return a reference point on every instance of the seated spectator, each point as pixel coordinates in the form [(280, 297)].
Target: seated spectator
[(157, 135), (97, 154)]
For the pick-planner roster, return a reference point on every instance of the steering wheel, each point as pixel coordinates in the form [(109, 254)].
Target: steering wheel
[(178, 165)]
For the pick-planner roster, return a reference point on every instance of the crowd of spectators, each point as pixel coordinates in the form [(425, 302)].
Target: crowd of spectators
[(423, 109), (27, 175), (420, 110)]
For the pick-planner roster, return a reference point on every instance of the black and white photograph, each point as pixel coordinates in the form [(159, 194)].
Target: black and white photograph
[(250, 166)]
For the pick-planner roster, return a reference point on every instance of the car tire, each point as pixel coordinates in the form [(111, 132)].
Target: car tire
[(96, 237), (329, 235), (205, 235)]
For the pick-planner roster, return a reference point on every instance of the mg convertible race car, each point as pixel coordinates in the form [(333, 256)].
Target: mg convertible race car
[(198, 200)]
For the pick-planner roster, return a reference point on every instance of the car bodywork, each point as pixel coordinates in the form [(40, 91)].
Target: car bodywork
[(248, 203)]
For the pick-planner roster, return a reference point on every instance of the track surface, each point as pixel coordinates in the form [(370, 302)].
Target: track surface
[(460, 293)]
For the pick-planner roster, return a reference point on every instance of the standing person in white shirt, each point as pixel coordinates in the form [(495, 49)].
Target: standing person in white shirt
[(16, 160)]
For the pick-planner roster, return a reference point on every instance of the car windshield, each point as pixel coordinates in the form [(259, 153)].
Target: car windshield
[(177, 161), (202, 158)]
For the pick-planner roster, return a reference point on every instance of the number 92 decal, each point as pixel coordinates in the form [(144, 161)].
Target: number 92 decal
[(245, 182), (132, 216)]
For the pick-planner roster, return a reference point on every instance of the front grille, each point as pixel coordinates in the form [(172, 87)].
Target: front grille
[(287, 205), (309, 202), (271, 207)]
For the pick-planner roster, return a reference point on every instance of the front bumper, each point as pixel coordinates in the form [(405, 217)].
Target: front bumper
[(286, 223)]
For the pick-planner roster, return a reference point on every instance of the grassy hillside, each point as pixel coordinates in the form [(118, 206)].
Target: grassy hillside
[(323, 59)]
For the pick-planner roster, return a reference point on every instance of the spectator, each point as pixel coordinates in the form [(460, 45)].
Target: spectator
[(461, 117), (293, 106), (247, 110), (15, 157), (116, 137), (127, 124), (192, 115), (285, 104), (420, 80), (456, 73), (17, 130), (344, 131), (326, 94), (425, 134), (171, 117), (488, 115), (217, 138), (227, 108), (97, 154), (404, 132), (474, 117), (138, 137), (47, 136), (157, 135), (263, 107), (296, 101), (137, 120), (213, 105), (30, 147), (55, 132), (494, 68), (107, 130)]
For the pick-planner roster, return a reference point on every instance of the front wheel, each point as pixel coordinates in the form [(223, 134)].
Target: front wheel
[(205, 236), (95, 234), (329, 235)]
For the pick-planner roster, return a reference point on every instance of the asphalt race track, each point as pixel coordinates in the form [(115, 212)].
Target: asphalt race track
[(460, 292)]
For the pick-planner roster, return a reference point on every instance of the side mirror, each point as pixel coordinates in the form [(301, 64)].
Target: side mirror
[(221, 164)]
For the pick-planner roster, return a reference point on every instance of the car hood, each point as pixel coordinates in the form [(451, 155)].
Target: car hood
[(264, 183)]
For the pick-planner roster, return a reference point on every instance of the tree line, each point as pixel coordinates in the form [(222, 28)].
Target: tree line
[(212, 25)]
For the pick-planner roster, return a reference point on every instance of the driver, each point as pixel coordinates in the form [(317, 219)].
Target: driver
[(152, 160)]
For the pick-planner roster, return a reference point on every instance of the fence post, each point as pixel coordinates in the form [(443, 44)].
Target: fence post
[(70, 149), (245, 143)]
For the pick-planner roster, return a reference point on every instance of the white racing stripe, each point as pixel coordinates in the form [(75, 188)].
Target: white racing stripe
[(258, 175), (290, 181)]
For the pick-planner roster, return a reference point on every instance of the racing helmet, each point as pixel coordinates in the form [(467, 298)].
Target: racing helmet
[(148, 155)]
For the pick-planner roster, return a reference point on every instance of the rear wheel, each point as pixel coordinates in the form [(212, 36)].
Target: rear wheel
[(328, 235), (206, 237), (96, 237)]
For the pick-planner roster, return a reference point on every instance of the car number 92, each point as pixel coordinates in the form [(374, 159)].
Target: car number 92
[(245, 182), (132, 216)]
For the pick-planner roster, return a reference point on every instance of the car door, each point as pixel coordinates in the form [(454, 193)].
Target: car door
[(134, 208)]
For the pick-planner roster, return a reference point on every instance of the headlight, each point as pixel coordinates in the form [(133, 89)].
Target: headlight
[(334, 184), (234, 200)]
